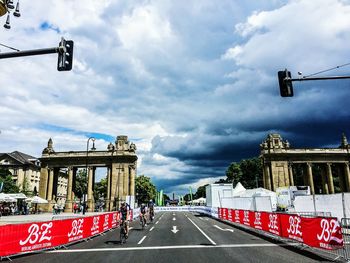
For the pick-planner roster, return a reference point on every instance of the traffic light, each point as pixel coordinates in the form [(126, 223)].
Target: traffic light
[(65, 55), (285, 82)]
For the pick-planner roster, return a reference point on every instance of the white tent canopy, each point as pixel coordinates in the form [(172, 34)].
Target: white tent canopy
[(37, 200), (7, 198), (238, 189), (18, 196)]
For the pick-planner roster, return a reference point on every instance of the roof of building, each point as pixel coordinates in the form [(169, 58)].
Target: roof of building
[(23, 158)]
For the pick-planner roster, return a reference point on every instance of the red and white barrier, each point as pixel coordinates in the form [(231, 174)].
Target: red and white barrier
[(319, 232), (21, 238)]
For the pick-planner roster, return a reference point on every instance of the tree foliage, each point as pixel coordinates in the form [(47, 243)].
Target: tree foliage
[(145, 189), (200, 192), (80, 186), (100, 189), (6, 178), (248, 172)]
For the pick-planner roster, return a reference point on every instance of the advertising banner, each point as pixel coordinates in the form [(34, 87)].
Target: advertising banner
[(291, 227), (20, 238), (322, 232)]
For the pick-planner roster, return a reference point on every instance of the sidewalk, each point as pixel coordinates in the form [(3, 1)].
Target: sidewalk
[(20, 219)]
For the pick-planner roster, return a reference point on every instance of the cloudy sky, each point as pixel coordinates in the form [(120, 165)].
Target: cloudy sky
[(192, 83)]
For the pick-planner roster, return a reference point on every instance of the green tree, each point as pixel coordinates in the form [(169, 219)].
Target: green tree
[(100, 189), (234, 173), (26, 187), (248, 172), (80, 186), (200, 192), (9, 186), (145, 189)]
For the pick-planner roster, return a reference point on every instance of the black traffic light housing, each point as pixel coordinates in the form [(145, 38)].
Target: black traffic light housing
[(65, 55), (285, 82)]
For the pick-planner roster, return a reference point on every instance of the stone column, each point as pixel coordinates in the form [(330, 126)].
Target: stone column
[(120, 195), (290, 173), (267, 178), (126, 180), (330, 179), (89, 189), (132, 180), (347, 177), (114, 186), (69, 206), (49, 190), (43, 184), (310, 177), (324, 181), (108, 196)]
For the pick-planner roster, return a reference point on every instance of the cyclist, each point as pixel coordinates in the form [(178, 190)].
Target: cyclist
[(143, 211), (151, 210), (124, 213)]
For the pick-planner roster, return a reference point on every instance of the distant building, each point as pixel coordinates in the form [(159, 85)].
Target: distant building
[(25, 170)]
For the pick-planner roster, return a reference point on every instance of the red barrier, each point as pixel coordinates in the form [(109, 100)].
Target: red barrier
[(20, 238), (315, 232)]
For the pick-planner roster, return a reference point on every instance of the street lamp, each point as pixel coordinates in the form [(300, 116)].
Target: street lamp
[(87, 174), (6, 6)]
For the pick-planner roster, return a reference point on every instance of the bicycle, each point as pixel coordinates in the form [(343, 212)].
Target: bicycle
[(123, 235), (151, 216)]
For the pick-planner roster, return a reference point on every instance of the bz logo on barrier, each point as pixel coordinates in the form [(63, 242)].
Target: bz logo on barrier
[(328, 229), (37, 234), (76, 228), (294, 226)]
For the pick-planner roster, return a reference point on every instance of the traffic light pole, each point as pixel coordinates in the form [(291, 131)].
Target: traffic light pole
[(34, 52), (64, 50), (319, 78)]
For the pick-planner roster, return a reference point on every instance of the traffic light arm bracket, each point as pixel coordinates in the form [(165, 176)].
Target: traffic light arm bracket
[(64, 50)]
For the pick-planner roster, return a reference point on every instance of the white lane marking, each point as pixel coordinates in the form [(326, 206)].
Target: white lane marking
[(174, 230), (142, 239), (226, 229), (168, 247), (174, 218), (151, 229), (204, 234), (157, 222), (173, 214)]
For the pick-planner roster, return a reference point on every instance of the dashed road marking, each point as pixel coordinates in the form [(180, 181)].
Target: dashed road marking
[(151, 229), (142, 239)]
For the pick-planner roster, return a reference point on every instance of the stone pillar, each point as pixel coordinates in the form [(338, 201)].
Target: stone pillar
[(324, 181), (310, 177), (89, 190), (49, 190), (347, 177), (114, 186), (69, 206), (132, 180), (108, 196), (330, 179), (120, 195), (290, 172), (126, 180), (44, 180), (267, 178)]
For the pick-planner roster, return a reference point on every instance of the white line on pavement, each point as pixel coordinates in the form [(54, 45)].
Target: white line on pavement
[(169, 247), (157, 222), (226, 229), (151, 229), (204, 234), (142, 239)]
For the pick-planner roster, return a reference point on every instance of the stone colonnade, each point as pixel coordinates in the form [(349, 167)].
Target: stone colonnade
[(120, 160), (120, 183), (280, 174)]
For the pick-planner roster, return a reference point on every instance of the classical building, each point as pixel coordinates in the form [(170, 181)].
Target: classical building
[(325, 170), (25, 170), (120, 160)]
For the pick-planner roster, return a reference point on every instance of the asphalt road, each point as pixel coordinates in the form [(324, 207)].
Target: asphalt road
[(176, 237)]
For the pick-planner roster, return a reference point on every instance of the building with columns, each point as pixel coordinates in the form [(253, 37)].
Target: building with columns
[(25, 171), (120, 160), (325, 170)]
